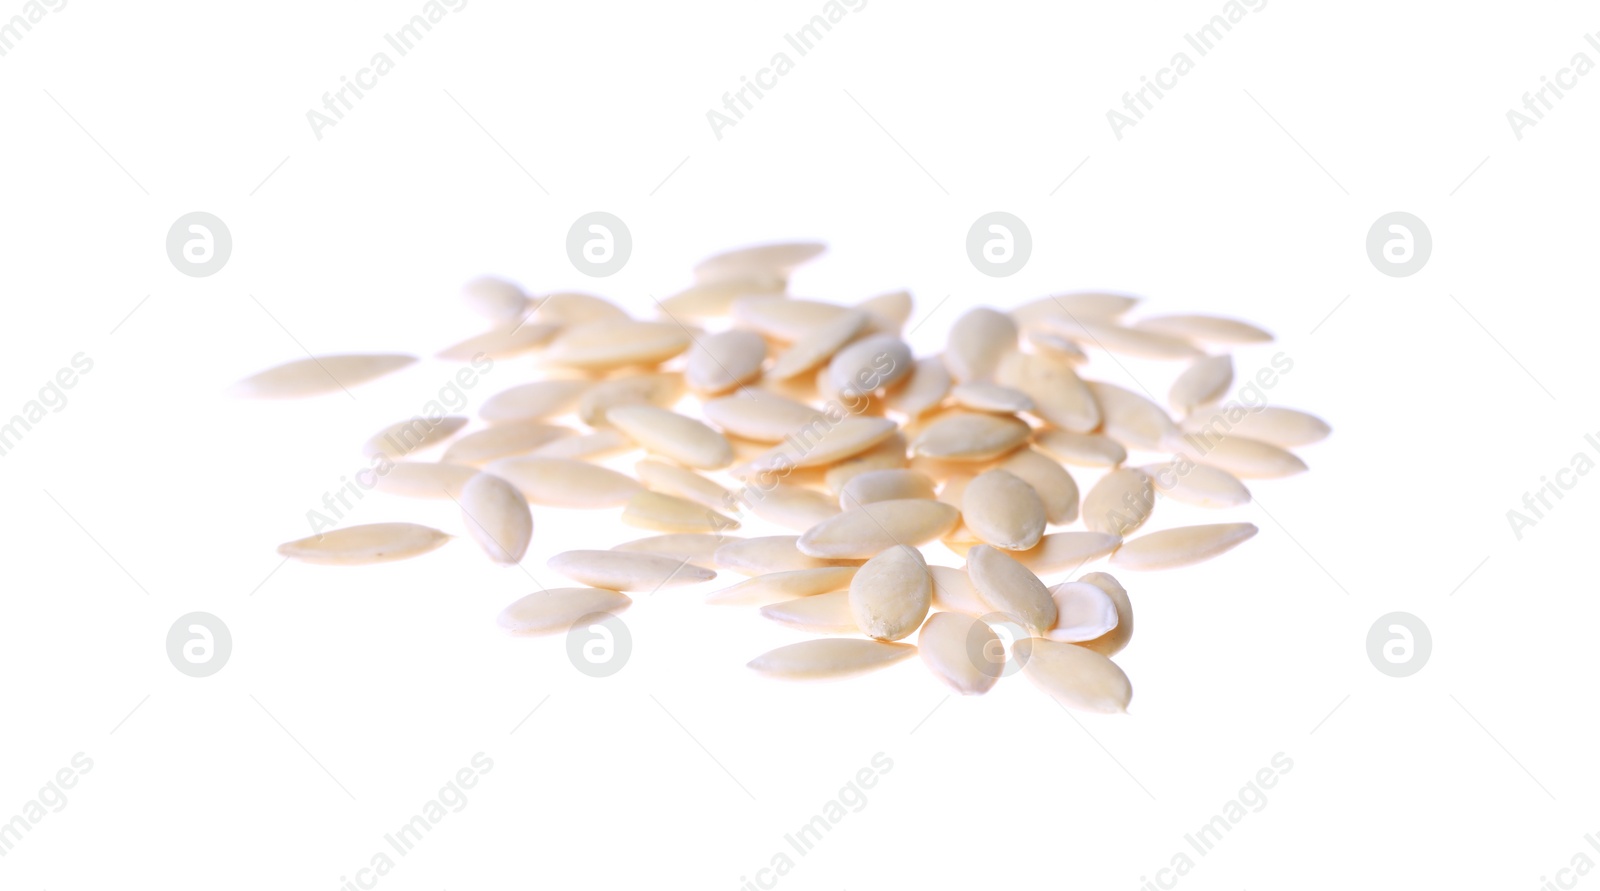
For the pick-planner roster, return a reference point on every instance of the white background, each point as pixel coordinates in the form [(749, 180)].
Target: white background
[(353, 695)]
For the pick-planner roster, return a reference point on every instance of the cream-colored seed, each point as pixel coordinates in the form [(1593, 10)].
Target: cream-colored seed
[(1119, 503), (494, 298), (698, 548), (1130, 418), (1066, 551), (991, 398), (1011, 588), (725, 360), (675, 436), (1075, 676), (404, 437), (497, 517), (503, 341), (1183, 546), (1114, 338), (1198, 484), (1003, 510), (1205, 381), (714, 300), (822, 443), (890, 454), (953, 590), (978, 339), (872, 528), (425, 479), (602, 346), (775, 260), (793, 507), (1081, 305), (1059, 395), (558, 609), (760, 415), (1245, 458), (572, 308), (962, 651), (1054, 346), (926, 387), (870, 364), (1113, 641), (589, 446), (1056, 488), (830, 658), (890, 594), (770, 553), (884, 485), (628, 570), (562, 482), (661, 389), (1083, 612), (1211, 329), (1286, 427), (535, 401), (669, 513), (784, 318), (819, 614), (670, 479), (503, 441), (360, 545), (1082, 449), (818, 345), (890, 311), (779, 586), (961, 436), (316, 376)]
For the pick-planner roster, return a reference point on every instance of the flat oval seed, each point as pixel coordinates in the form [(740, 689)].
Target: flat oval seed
[(425, 479), (1211, 329), (1077, 305), (535, 401), (1075, 676), (1205, 381), (818, 345), (887, 455), (775, 260), (1119, 503), (961, 436), (884, 485), (670, 479), (1083, 612), (953, 590), (1059, 395), (1285, 427), (926, 387), (497, 517), (503, 441), (759, 415), (779, 586), (978, 339), (1242, 457), (572, 308), (599, 444), (1003, 510), (714, 300), (820, 614), (1183, 546), (1011, 588), (628, 570), (873, 528), (404, 437), (870, 364), (1056, 488), (1114, 338), (661, 389), (1083, 449), (1113, 641), (616, 343), (314, 377), (681, 438), (822, 443), (784, 318), (830, 658), (562, 482), (769, 553), (1130, 418), (891, 593), (494, 298), (991, 398), (793, 507), (1066, 551), (953, 646), (698, 548), (668, 513), (1198, 484), (1056, 347), (500, 342), (725, 360), (558, 609), (890, 311), (360, 545)]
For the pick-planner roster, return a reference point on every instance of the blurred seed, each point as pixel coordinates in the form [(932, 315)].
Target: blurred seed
[(1130, 418), (572, 308), (1113, 338), (793, 507), (890, 454), (667, 433), (991, 398), (628, 570), (493, 298), (670, 479), (425, 479), (1059, 396), (714, 300), (1055, 486), (889, 311), (360, 545), (1083, 449), (819, 614), (870, 364), (599, 444), (668, 513), (1211, 329), (555, 610), (605, 345), (1285, 427), (563, 482), (725, 360), (503, 441), (830, 658), (769, 553), (661, 389), (927, 386), (497, 517), (818, 345), (872, 528), (535, 401), (978, 339), (774, 260), (314, 377), (1205, 381), (1084, 305), (784, 318), (1183, 546), (1242, 457), (503, 341), (884, 485), (404, 437), (779, 586), (698, 548)]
